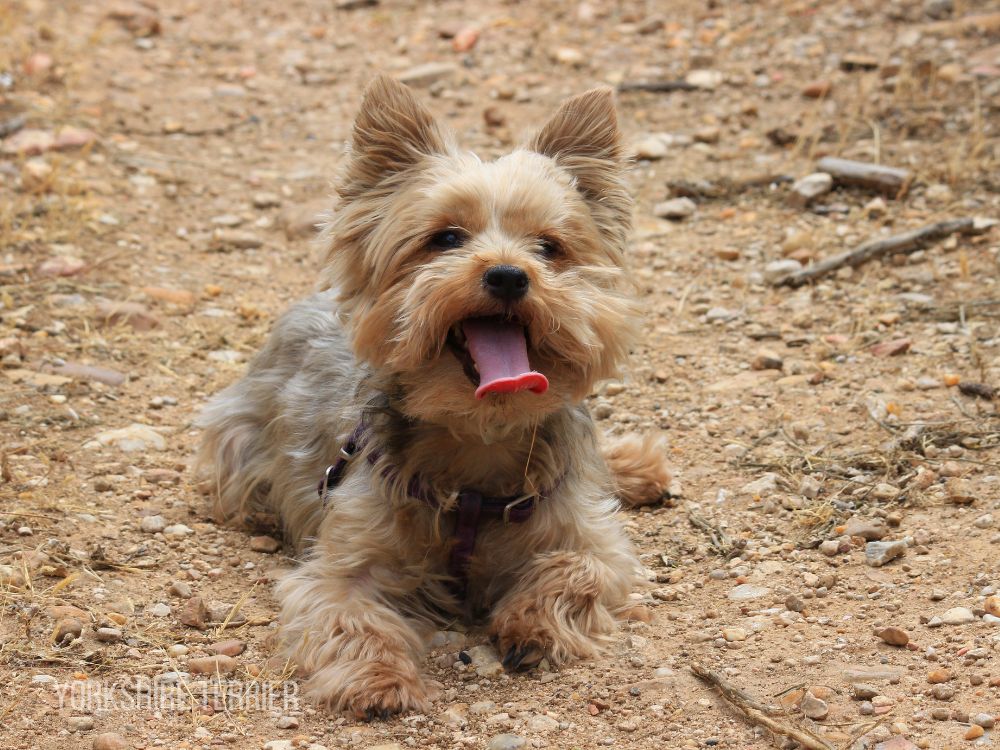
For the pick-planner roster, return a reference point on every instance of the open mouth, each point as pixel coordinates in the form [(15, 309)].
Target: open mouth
[(493, 353)]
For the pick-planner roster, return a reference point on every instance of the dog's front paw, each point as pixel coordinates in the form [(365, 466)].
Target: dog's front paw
[(376, 690), (520, 657)]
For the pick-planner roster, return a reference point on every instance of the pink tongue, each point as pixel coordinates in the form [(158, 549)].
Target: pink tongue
[(501, 354)]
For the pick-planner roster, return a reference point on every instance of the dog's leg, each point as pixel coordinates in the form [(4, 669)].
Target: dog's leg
[(638, 468), (360, 654), (563, 607)]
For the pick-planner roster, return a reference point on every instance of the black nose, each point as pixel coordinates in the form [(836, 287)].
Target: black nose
[(508, 283)]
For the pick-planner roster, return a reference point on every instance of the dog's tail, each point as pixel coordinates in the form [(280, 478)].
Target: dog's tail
[(638, 466)]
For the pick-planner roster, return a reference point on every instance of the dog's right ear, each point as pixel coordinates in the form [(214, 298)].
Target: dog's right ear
[(392, 133)]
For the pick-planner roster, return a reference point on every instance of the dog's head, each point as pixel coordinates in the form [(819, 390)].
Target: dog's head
[(491, 292)]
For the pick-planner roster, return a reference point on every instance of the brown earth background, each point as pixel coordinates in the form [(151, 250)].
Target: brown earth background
[(161, 167)]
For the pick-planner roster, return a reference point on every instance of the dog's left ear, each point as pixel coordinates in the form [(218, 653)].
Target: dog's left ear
[(583, 137)]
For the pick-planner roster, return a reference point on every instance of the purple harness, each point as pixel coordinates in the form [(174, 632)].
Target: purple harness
[(471, 507)]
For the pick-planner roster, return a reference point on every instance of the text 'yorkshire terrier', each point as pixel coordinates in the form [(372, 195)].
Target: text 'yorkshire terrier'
[(434, 393)]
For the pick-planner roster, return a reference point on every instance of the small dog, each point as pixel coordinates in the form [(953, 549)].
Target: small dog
[(435, 391)]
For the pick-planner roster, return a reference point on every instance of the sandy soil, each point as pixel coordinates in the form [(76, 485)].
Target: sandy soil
[(160, 169)]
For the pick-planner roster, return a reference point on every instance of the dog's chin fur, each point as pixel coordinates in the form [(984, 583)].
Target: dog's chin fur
[(372, 345)]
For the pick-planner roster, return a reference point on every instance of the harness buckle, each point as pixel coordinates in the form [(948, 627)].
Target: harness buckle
[(514, 503)]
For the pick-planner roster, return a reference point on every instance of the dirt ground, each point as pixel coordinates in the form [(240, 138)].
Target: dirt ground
[(161, 166)]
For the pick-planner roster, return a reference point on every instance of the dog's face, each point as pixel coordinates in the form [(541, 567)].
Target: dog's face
[(492, 292)]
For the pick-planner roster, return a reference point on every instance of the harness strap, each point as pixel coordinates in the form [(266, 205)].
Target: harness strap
[(471, 507)]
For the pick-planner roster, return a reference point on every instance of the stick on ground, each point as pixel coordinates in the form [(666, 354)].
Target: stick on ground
[(907, 242), (758, 713)]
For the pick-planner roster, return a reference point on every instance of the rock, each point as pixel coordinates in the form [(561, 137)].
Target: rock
[(814, 708), (160, 609), (541, 723), (894, 636), (231, 647), (763, 486), (109, 635), (974, 732), (287, 722), (180, 589), (162, 477), (110, 741), (892, 348), (465, 39), (868, 529), (863, 691), (28, 142), (152, 524), (651, 148), (139, 19), (70, 137), (179, 297), (234, 239), (132, 314), (704, 79), (134, 438), (747, 591), (266, 544), (986, 721), (675, 209), (195, 613), (80, 723), (485, 661), (992, 605), (506, 742), (878, 554), (958, 616), (939, 9), (178, 531), (938, 676), (79, 371), (68, 626), (943, 692), (482, 708), (885, 491), (807, 189), (959, 492), (899, 742), (428, 73), (778, 270), (817, 89), (768, 361), (830, 547), (218, 664), (266, 200), (569, 56), (62, 265), (984, 521), (734, 634)]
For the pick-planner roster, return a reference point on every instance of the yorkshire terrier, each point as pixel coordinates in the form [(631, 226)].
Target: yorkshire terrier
[(434, 391)]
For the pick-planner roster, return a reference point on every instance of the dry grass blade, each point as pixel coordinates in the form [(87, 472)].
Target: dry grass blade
[(723, 545), (758, 713)]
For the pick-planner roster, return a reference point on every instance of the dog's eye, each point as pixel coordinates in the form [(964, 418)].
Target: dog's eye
[(449, 239), (549, 247)]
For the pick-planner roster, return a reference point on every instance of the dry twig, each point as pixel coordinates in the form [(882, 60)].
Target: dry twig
[(759, 713), (907, 242)]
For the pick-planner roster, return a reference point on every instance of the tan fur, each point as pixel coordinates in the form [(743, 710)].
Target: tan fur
[(374, 580), (637, 464)]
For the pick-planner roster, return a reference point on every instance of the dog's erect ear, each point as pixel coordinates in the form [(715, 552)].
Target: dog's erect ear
[(583, 137), (393, 132)]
